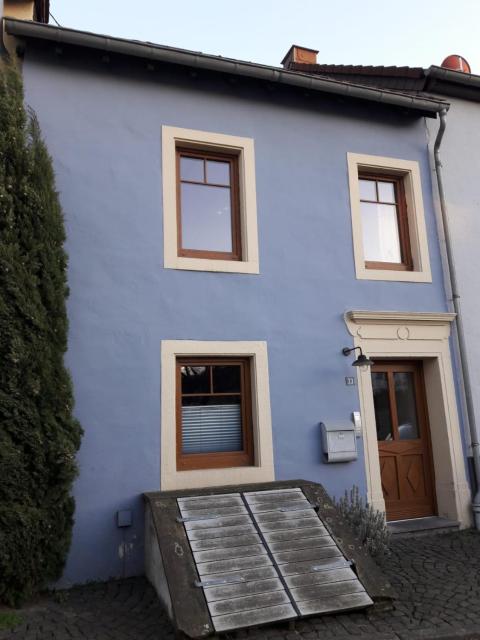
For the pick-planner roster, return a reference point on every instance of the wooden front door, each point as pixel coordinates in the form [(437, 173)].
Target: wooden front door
[(403, 439)]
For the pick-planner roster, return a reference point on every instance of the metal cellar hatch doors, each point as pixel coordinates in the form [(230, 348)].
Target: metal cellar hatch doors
[(264, 556)]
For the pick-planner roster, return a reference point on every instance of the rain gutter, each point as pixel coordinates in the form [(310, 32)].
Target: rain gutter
[(170, 55)]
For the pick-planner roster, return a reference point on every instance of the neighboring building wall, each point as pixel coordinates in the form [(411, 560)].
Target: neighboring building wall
[(103, 132), (460, 156), (18, 9)]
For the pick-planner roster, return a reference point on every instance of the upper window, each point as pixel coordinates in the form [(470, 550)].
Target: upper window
[(386, 241), (388, 220), (214, 424), (208, 205), (209, 201)]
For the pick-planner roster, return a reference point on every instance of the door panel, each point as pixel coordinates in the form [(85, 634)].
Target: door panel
[(403, 439), (388, 468), (413, 476)]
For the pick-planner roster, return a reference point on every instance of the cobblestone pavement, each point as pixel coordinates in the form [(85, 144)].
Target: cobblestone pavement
[(437, 579)]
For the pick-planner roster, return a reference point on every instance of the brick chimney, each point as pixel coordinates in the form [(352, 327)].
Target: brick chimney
[(299, 54)]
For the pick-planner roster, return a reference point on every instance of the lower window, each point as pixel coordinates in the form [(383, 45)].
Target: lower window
[(213, 413)]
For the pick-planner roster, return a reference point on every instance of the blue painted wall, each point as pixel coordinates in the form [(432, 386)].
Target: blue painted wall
[(103, 131)]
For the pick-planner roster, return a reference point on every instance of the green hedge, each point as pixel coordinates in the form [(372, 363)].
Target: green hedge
[(38, 434)]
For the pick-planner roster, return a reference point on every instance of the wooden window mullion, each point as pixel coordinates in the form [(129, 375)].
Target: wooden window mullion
[(393, 403), (179, 204), (247, 411), (403, 225)]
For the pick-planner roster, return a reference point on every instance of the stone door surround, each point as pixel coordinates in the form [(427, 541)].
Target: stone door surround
[(421, 336)]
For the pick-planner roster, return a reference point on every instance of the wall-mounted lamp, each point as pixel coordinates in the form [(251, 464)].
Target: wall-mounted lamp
[(361, 361)]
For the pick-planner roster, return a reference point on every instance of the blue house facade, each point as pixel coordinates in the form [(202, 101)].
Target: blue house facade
[(454, 162), (230, 229)]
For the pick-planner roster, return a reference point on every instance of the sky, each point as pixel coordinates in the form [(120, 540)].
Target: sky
[(410, 32)]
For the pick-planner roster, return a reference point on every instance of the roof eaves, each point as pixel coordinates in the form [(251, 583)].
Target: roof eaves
[(171, 55), (456, 84), (456, 77)]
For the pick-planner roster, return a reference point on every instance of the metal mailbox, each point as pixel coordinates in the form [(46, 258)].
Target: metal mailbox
[(339, 442)]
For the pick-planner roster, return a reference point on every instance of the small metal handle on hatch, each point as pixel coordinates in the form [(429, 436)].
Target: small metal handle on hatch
[(209, 516), (309, 505), (218, 581), (330, 567)]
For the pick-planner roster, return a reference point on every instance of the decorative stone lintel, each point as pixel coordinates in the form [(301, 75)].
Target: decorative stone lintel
[(400, 317), (399, 325)]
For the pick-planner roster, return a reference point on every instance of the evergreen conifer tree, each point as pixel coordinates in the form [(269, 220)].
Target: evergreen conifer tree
[(38, 434)]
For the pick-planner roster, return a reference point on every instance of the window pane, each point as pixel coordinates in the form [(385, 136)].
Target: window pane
[(211, 424), (367, 190), (386, 192), (206, 218), (191, 169), (380, 232), (406, 405), (218, 172), (382, 406), (195, 379), (227, 378)]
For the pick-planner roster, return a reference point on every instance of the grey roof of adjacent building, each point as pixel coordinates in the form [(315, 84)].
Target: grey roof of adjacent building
[(405, 79), (457, 84), (61, 36), (415, 80)]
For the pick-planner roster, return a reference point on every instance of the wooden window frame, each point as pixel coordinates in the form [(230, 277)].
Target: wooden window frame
[(402, 220), (217, 460), (233, 160)]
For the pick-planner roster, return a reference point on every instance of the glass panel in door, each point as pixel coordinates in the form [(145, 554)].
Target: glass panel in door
[(406, 405), (381, 403)]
